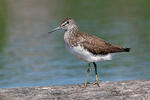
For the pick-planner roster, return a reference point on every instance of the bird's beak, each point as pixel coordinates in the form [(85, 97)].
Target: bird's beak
[(55, 29)]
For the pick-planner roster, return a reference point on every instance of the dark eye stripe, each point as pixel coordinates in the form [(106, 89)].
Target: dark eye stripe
[(66, 23)]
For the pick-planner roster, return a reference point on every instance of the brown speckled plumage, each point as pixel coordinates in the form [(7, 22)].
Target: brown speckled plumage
[(91, 43), (68, 18), (94, 44)]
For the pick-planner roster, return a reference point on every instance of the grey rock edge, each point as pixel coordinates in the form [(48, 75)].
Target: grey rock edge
[(124, 90)]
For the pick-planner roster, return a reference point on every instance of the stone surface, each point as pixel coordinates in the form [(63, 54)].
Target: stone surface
[(125, 90)]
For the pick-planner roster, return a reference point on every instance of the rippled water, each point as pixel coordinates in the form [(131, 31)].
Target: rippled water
[(29, 56)]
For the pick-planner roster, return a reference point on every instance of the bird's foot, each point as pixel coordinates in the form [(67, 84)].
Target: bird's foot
[(88, 84), (96, 83), (84, 85)]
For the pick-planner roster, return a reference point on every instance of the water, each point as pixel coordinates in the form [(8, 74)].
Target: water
[(29, 56)]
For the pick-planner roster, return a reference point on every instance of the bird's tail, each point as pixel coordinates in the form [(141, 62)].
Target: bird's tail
[(126, 49)]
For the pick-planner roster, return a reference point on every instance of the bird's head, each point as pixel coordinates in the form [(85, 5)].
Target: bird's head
[(67, 23)]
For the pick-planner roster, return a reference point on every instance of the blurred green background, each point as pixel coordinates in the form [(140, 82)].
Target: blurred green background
[(29, 56)]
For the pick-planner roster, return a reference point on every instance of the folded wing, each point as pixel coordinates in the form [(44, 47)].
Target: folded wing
[(96, 45)]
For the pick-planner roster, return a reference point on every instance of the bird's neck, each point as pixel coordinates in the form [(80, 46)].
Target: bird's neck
[(71, 31), (70, 34)]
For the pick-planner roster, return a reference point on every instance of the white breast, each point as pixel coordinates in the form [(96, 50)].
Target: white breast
[(85, 55)]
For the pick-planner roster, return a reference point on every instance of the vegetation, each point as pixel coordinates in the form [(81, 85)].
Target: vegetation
[(3, 23)]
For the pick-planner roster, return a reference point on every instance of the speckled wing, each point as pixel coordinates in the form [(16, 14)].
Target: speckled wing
[(96, 45)]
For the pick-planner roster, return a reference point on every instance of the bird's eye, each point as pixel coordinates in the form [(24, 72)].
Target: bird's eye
[(67, 22)]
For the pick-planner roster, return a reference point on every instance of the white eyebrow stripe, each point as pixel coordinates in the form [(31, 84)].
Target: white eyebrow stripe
[(64, 23)]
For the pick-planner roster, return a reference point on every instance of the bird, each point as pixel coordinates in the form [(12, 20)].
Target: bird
[(86, 47)]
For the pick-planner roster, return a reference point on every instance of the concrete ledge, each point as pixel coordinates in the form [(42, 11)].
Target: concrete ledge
[(125, 90)]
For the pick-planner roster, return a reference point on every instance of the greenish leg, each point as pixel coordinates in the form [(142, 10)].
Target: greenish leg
[(96, 75), (88, 72)]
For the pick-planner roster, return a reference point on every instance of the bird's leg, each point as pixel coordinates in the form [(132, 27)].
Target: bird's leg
[(88, 72), (96, 75)]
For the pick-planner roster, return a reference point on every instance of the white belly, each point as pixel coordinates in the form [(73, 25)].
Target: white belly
[(85, 55)]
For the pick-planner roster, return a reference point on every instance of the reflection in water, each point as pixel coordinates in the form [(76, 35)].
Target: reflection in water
[(31, 57)]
